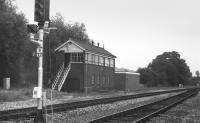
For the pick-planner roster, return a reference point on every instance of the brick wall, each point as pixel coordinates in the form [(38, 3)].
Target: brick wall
[(98, 78)]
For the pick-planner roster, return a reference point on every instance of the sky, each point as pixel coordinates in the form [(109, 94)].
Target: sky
[(136, 31)]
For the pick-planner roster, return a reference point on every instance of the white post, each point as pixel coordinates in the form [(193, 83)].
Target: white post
[(39, 115), (40, 67)]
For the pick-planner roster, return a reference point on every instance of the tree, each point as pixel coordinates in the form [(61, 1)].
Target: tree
[(196, 79), (65, 30), (13, 38), (173, 66), (147, 77), (170, 70), (197, 74)]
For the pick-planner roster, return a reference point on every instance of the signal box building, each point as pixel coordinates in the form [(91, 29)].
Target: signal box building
[(85, 67)]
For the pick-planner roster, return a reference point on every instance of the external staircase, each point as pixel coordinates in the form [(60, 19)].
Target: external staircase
[(61, 77)]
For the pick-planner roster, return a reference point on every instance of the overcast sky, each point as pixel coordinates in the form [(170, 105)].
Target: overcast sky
[(136, 31)]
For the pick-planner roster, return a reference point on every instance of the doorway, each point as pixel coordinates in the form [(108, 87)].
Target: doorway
[(67, 59)]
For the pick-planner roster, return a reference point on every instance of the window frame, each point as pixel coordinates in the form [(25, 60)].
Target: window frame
[(112, 62), (106, 62), (89, 58), (76, 58), (101, 61)]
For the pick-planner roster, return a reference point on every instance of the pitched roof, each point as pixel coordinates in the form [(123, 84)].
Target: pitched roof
[(86, 46)]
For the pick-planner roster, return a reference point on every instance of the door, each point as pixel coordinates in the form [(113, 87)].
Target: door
[(67, 59)]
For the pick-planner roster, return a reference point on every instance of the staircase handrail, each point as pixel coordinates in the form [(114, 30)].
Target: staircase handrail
[(58, 75), (66, 71)]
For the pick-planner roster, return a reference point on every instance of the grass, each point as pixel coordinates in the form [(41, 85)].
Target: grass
[(15, 94), (21, 94)]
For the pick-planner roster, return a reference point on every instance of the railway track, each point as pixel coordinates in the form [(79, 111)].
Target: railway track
[(141, 114), (27, 113)]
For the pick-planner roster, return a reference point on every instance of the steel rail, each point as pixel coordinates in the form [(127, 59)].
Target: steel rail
[(141, 114), (31, 111)]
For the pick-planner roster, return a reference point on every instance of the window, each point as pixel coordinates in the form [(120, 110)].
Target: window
[(80, 57), (96, 59), (89, 58), (73, 57), (93, 59), (100, 60), (76, 57), (107, 62), (112, 62)]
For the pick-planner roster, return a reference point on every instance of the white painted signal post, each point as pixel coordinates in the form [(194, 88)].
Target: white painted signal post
[(38, 90), (41, 14)]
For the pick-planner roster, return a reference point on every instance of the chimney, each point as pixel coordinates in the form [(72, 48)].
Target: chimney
[(103, 46), (92, 42), (98, 44)]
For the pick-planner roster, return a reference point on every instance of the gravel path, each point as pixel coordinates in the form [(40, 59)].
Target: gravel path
[(187, 112)]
